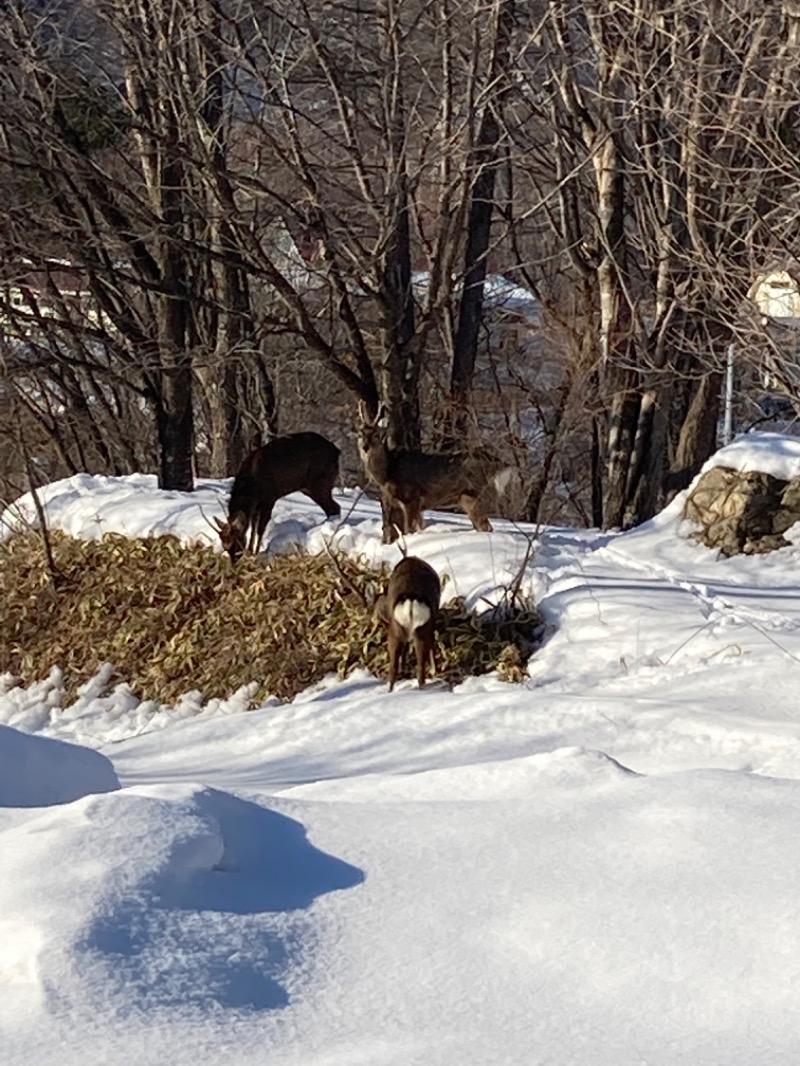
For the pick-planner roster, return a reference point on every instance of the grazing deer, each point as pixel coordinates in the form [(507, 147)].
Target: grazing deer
[(299, 462), (409, 607), (412, 481)]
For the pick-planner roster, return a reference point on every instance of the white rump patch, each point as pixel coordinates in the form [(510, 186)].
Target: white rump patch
[(502, 479), (411, 614)]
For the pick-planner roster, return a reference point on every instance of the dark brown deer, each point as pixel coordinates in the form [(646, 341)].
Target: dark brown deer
[(409, 607), (299, 462), (413, 481)]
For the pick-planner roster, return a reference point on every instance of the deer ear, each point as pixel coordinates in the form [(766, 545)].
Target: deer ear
[(219, 523)]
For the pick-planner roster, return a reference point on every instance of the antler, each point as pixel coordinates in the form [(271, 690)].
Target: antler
[(216, 523), (381, 415)]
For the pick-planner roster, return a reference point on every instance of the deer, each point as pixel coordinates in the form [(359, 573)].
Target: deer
[(299, 462), (412, 481), (409, 608)]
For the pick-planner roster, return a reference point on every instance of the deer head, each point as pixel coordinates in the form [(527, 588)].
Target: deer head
[(233, 538), (372, 434)]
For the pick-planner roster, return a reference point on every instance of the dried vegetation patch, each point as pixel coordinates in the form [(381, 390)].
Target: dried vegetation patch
[(173, 619)]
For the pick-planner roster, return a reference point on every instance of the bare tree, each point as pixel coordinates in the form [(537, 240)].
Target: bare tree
[(674, 129), (249, 183), (114, 149)]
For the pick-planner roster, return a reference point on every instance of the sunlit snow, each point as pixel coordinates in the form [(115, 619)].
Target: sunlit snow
[(599, 866)]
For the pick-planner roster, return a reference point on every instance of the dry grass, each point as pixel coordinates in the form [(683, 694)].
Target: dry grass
[(172, 619)]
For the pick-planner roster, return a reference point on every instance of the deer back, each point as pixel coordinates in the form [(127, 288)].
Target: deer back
[(412, 481), (410, 606), (412, 581), (440, 480), (305, 461), (293, 463)]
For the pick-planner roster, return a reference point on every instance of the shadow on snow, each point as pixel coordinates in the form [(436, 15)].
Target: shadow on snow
[(227, 936)]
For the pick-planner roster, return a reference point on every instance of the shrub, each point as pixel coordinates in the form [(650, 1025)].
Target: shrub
[(172, 619)]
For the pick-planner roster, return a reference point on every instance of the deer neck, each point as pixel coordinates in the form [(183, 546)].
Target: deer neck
[(378, 461)]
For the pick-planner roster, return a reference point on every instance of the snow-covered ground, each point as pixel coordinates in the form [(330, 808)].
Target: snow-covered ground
[(599, 866)]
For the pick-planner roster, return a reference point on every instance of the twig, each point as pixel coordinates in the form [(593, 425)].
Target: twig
[(344, 577), (52, 569)]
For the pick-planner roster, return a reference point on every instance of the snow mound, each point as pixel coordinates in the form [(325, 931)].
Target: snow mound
[(510, 779), (36, 771), (101, 913), (89, 506), (768, 453)]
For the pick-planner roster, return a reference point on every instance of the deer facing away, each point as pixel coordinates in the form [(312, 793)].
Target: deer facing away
[(409, 607), (414, 480), (299, 462)]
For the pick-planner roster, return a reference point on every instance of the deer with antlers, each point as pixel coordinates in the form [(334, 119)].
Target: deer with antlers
[(299, 462), (412, 481)]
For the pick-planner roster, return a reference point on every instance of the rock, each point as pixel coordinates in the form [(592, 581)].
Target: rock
[(740, 512), (790, 507)]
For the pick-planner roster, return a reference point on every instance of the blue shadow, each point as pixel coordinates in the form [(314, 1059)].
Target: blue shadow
[(224, 937), (269, 863)]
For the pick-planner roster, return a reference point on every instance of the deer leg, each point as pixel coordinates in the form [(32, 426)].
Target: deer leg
[(330, 506), (258, 527), (472, 507), (423, 649), (397, 647), (415, 520), (392, 511), (412, 514), (408, 517), (403, 657), (323, 497), (432, 650)]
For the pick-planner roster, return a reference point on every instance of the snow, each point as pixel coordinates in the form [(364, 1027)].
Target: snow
[(598, 866), (36, 771)]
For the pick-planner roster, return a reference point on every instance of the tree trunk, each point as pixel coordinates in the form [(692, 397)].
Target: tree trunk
[(596, 468), (235, 418), (618, 348), (399, 372), (697, 440), (650, 459), (175, 414), (479, 225), (399, 376), (175, 424)]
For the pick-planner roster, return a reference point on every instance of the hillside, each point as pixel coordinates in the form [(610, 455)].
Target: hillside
[(594, 866)]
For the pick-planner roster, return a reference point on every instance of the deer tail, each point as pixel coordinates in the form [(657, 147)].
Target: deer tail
[(411, 614)]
